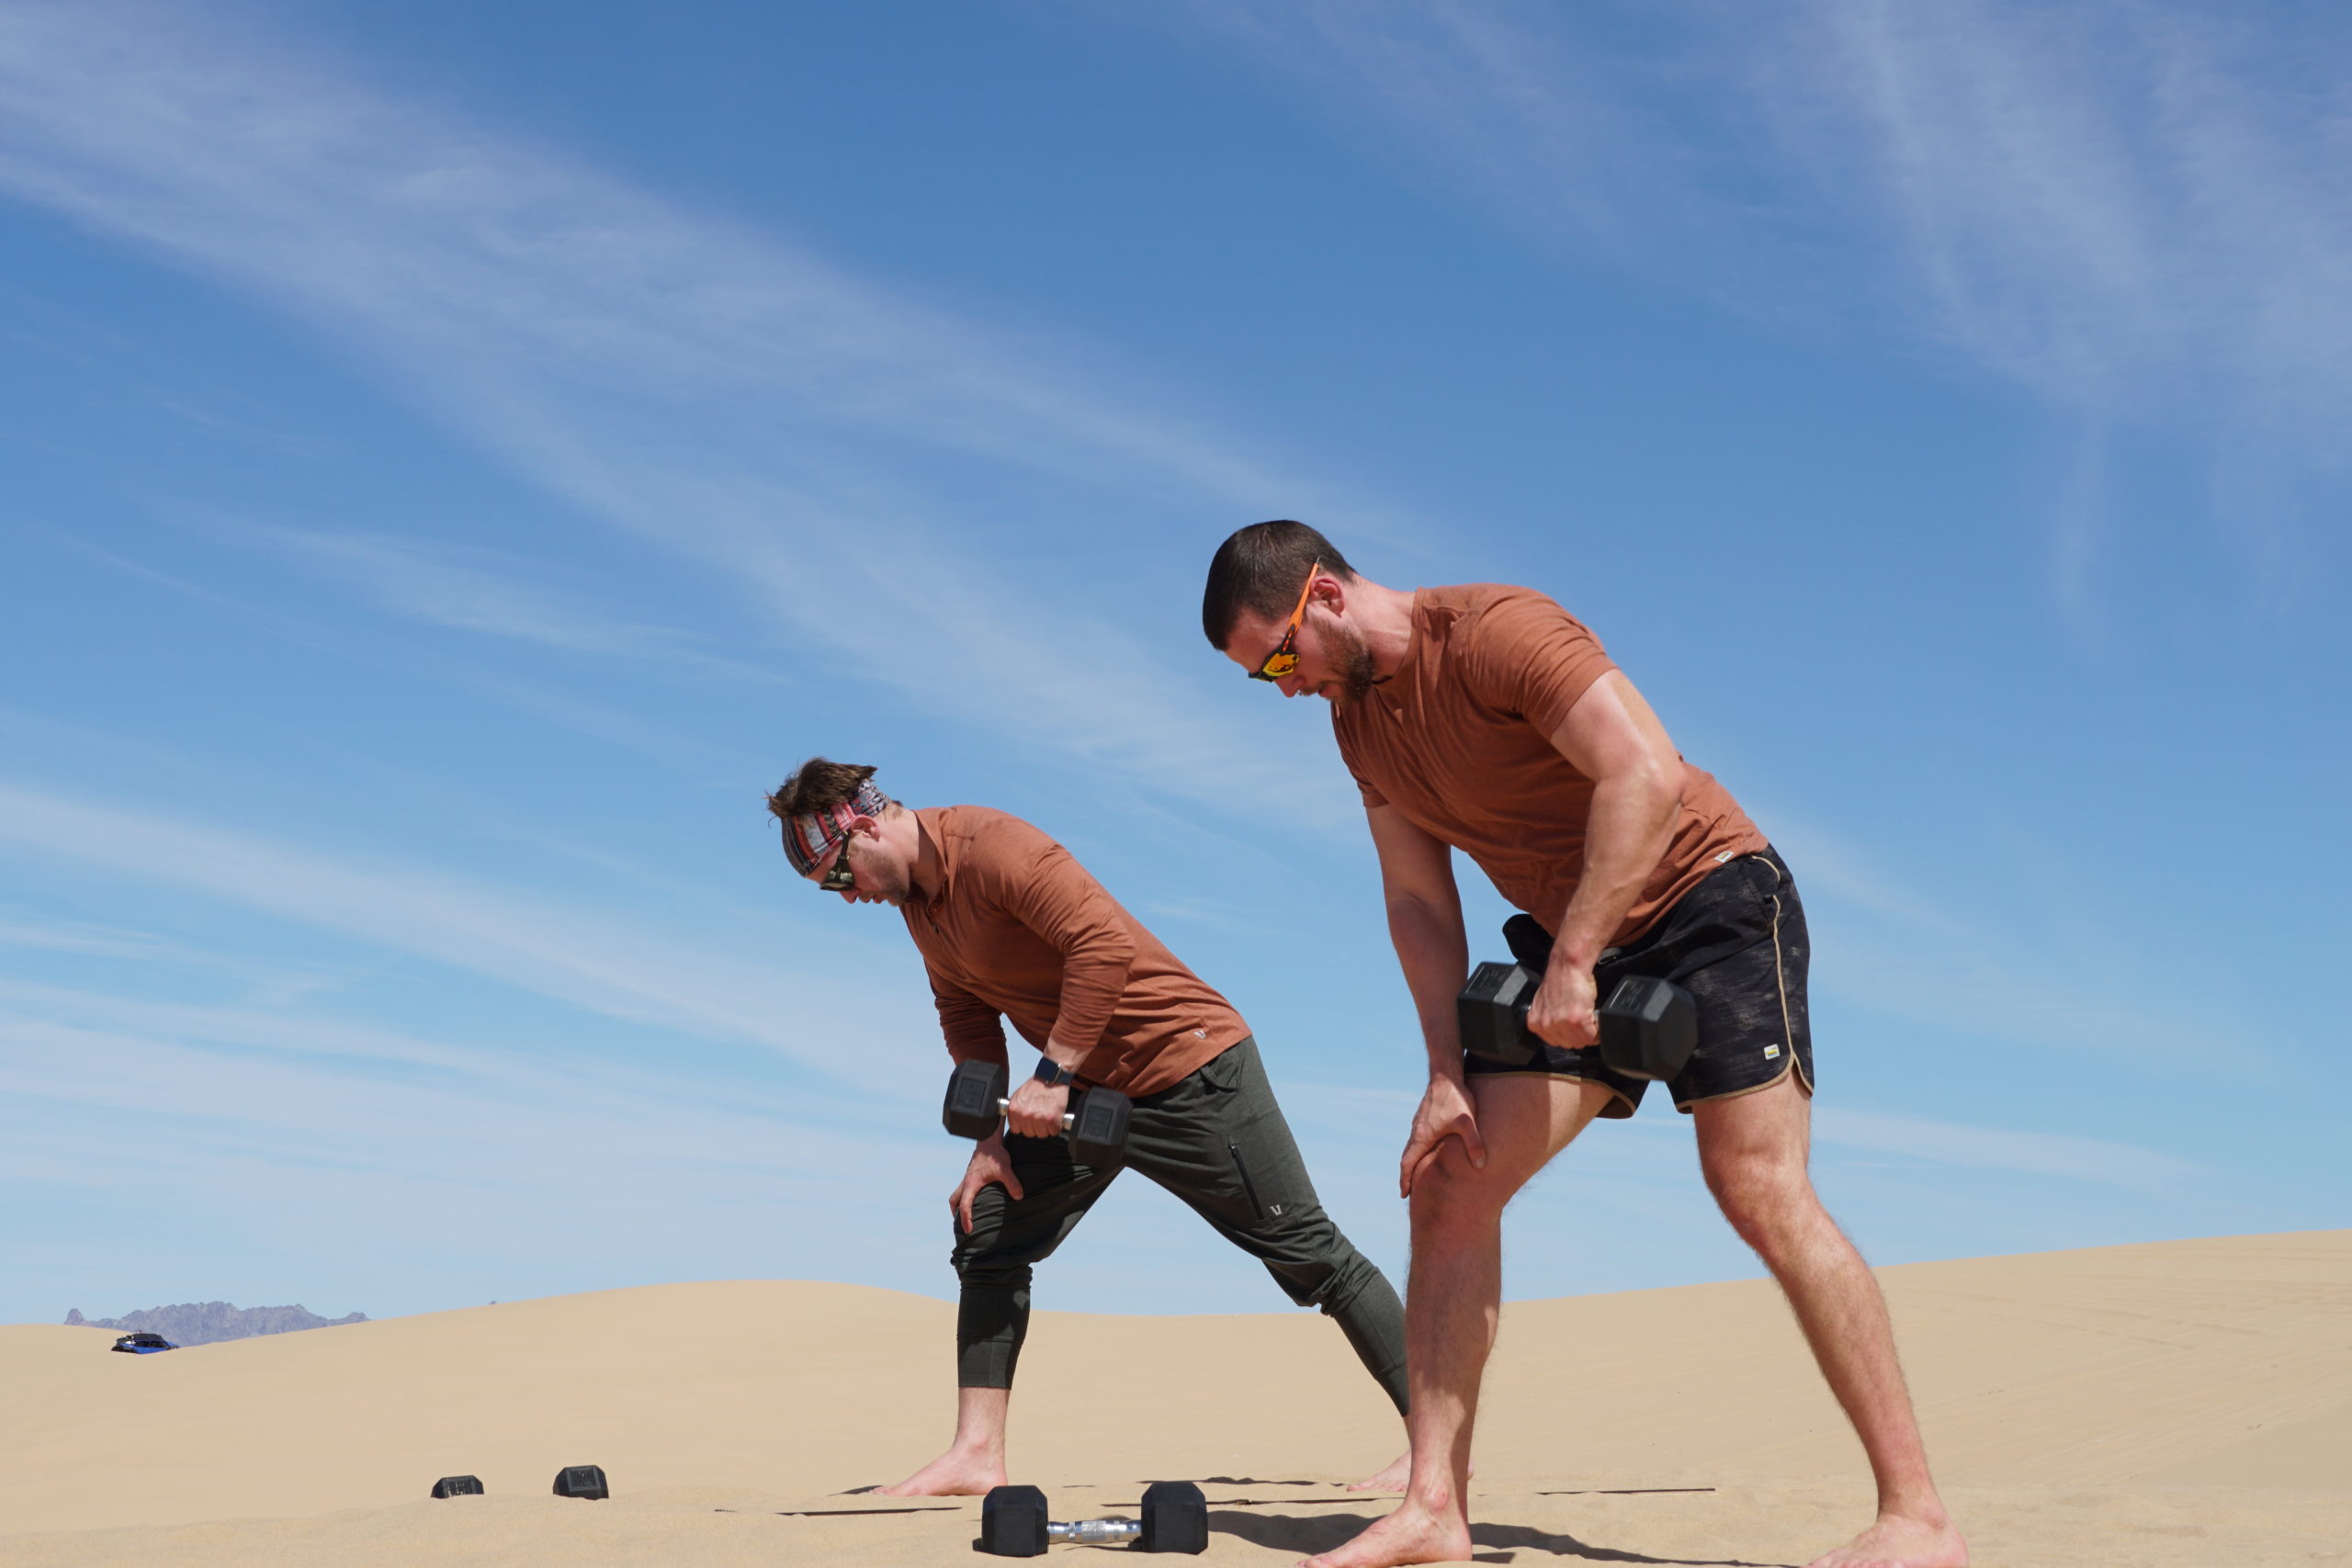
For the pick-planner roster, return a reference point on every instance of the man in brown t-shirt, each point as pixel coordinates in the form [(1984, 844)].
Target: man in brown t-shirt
[(1010, 925), (1486, 718)]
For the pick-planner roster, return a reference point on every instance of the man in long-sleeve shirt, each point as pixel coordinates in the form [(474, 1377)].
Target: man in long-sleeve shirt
[(1010, 925)]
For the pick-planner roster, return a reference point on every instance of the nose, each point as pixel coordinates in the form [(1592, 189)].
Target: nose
[(1290, 685), (848, 894)]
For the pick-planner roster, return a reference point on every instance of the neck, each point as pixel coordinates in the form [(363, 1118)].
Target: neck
[(927, 876), (1384, 618)]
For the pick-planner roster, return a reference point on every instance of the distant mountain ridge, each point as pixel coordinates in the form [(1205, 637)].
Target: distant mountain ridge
[(208, 1323)]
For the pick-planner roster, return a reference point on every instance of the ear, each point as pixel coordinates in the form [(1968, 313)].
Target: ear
[(1329, 593), (865, 825)]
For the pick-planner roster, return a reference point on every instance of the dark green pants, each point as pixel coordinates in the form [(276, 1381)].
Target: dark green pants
[(1217, 1141)]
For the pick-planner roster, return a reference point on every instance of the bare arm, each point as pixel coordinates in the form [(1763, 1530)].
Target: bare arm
[(1425, 923), (1613, 738)]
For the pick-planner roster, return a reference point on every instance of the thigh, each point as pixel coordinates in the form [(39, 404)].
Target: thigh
[(1218, 1141), (1525, 1119), (1763, 1137), (1056, 1193)]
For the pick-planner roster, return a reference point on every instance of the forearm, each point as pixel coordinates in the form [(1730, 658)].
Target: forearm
[(1063, 1051), (1631, 823), (1434, 952)]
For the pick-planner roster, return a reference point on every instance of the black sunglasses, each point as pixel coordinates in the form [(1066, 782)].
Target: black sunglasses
[(841, 878)]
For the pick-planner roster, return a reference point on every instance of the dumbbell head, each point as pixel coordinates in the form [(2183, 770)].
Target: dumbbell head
[(1013, 1522), (1648, 1027), (1098, 1129), (457, 1486), (1492, 1014), (975, 1107), (582, 1481), (1175, 1518)]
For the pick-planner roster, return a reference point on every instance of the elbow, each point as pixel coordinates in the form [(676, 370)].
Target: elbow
[(1415, 909), (1109, 952), (1660, 782), (1671, 783)]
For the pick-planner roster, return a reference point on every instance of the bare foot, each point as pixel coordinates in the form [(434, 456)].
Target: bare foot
[(1411, 1534), (1899, 1542), (955, 1474), (1393, 1478)]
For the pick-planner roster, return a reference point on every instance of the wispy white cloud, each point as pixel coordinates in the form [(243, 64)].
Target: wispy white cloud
[(464, 587), (339, 1157), (2117, 204), (1494, 98), (420, 582), (1902, 955), (80, 937), (1992, 1148), (49, 934), (722, 394), (2140, 211), (723, 992)]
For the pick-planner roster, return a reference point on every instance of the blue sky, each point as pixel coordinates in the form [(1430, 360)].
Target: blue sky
[(453, 459)]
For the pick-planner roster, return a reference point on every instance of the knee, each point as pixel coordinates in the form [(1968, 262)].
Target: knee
[(1333, 1281), (1771, 1207), (1450, 1199), (981, 1274)]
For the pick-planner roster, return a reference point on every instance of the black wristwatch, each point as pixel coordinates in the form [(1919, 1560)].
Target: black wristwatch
[(1053, 1076)]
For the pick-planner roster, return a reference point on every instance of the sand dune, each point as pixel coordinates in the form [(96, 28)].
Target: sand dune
[(2178, 1402)]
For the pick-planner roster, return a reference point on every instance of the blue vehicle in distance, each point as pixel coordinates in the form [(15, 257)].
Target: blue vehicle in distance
[(143, 1343)]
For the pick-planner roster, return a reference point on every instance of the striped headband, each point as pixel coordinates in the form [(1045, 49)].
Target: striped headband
[(812, 836)]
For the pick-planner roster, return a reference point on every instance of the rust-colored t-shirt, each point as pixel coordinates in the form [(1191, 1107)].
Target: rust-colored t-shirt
[(1459, 740), (1019, 928)]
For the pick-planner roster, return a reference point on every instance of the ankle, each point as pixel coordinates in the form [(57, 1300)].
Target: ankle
[(1440, 1498)]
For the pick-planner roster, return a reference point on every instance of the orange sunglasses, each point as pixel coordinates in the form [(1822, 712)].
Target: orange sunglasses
[(1284, 659)]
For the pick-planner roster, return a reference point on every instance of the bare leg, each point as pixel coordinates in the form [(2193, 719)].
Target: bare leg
[(1753, 1149), (1452, 1303), (974, 1460)]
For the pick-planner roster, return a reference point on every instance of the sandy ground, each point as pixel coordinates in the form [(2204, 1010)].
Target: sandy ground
[(2184, 1402)]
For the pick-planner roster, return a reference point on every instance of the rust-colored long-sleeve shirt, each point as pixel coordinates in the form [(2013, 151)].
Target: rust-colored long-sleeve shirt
[(1019, 930)]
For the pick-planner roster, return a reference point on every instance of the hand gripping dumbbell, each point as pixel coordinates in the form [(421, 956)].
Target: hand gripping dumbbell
[(1175, 1518), (1648, 1027), (1097, 1129)]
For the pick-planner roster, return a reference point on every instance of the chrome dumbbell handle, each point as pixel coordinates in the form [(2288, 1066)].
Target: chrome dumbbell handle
[(1095, 1532), (1069, 1118)]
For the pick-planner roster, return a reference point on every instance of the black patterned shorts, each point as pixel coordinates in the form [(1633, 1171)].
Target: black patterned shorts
[(1737, 942)]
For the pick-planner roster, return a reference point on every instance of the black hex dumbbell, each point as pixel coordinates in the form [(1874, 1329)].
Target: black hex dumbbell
[(1175, 1518), (582, 1481), (1097, 1129), (1648, 1027)]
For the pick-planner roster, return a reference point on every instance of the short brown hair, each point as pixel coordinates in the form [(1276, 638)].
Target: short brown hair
[(1259, 569), (817, 785)]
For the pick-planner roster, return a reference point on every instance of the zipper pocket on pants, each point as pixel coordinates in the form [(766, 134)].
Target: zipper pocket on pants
[(1249, 1188)]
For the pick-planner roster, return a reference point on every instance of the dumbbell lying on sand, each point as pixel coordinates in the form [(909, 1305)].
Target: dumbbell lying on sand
[(1648, 1027), (1097, 1129), (1175, 1518)]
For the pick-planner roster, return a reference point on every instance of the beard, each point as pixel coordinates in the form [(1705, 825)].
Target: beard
[(880, 875), (1344, 646)]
